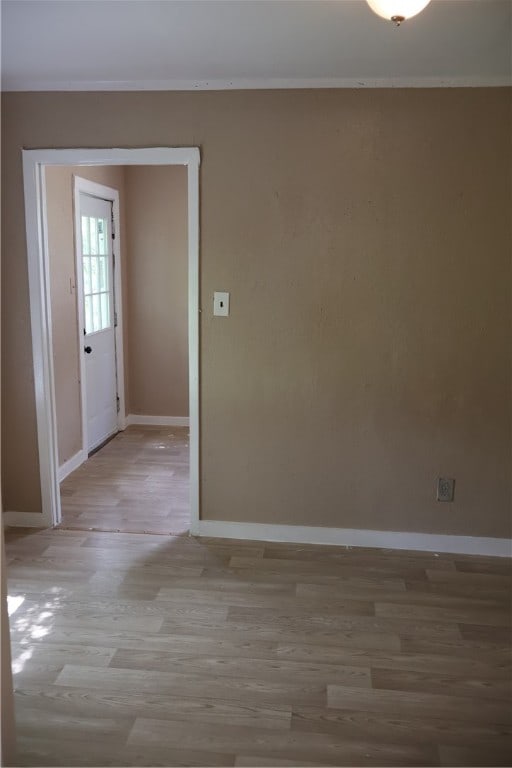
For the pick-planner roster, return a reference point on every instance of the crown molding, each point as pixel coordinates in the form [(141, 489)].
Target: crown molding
[(240, 84)]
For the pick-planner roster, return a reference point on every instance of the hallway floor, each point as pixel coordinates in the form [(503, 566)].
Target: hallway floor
[(137, 483)]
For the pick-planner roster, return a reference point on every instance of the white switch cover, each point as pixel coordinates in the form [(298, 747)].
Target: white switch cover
[(221, 304)]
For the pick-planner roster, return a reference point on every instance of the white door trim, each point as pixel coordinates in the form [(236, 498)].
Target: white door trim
[(112, 195), (34, 162), (71, 464)]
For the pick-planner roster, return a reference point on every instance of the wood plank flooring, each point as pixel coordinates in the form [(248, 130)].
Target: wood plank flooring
[(137, 483), (140, 650)]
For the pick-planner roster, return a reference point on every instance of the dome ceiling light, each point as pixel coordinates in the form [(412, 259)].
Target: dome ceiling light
[(397, 10)]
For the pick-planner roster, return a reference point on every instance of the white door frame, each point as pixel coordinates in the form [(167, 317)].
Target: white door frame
[(34, 162), (87, 187)]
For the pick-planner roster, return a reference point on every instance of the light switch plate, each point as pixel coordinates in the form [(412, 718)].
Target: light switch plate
[(221, 304)]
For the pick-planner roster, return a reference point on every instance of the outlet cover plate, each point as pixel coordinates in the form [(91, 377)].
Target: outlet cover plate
[(445, 488)]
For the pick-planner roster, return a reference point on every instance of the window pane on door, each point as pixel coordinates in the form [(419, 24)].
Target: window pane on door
[(102, 237), (88, 314), (96, 276), (94, 236), (96, 313), (86, 249), (87, 275), (105, 309), (103, 273)]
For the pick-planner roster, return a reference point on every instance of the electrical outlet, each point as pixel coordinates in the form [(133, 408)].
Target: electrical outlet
[(445, 488)]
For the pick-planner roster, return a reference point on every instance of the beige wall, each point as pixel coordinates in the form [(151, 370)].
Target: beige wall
[(365, 238), (59, 201), (157, 301)]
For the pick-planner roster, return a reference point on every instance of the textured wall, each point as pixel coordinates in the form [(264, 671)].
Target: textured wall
[(157, 300), (365, 239)]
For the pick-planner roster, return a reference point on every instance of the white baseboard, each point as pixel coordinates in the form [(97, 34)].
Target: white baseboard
[(71, 464), (302, 534), (25, 519), (157, 421), (350, 537)]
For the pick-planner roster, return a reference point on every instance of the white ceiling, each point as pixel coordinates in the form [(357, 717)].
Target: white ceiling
[(194, 44)]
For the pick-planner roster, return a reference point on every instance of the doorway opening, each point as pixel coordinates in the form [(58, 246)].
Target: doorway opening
[(134, 465)]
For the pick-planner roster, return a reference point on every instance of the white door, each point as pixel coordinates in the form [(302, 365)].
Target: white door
[(97, 286)]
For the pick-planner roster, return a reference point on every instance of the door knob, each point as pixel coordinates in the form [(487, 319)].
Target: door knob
[(88, 350)]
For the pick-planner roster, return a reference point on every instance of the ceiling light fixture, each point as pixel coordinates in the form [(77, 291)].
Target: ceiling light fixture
[(397, 10)]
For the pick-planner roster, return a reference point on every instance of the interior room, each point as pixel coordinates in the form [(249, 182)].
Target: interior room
[(292, 543), (124, 468)]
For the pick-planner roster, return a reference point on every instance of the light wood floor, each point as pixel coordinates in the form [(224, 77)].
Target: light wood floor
[(137, 483), (138, 650)]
